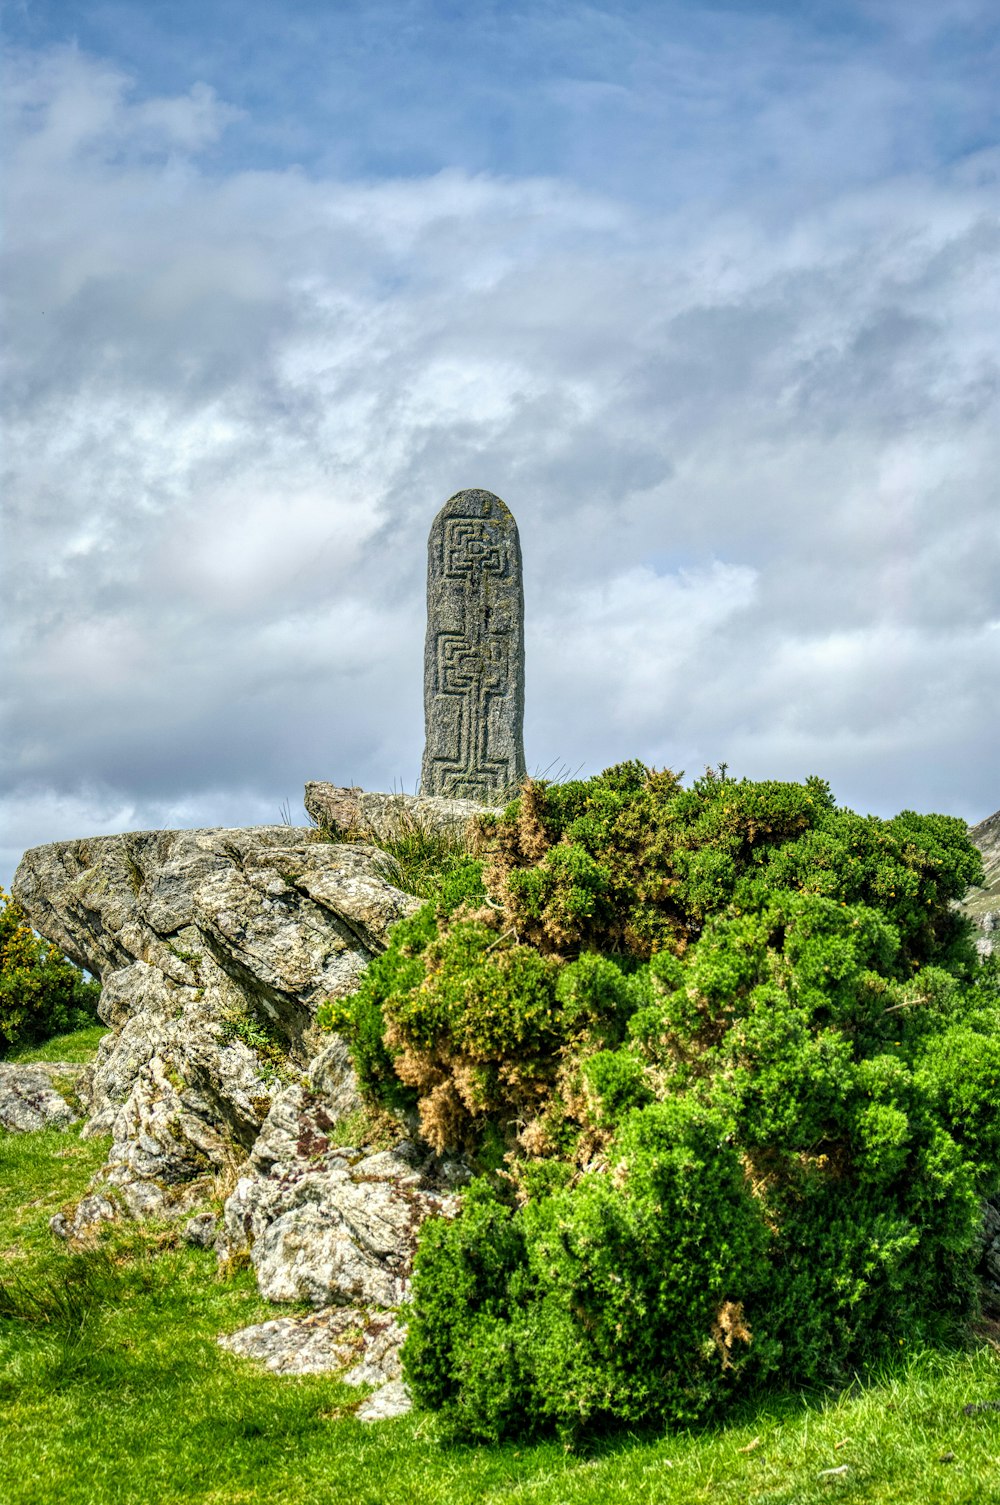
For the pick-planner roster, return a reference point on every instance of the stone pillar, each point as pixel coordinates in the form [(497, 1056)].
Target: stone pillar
[(474, 654)]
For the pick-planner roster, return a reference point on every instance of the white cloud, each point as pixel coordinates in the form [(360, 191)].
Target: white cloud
[(753, 465)]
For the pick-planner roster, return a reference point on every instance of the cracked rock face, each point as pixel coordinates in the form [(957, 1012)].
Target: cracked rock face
[(40, 1096), (991, 1244), (214, 949), (325, 1222), (365, 1346)]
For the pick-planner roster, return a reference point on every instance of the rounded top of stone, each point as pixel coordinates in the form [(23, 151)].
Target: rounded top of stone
[(475, 502)]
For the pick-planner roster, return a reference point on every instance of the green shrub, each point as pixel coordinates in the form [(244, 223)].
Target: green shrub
[(734, 1064), (607, 1300), (41, 993)]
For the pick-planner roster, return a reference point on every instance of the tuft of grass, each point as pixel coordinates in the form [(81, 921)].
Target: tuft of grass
[(368, 1125), (64, 1295), (419, 855), (239, 1024)]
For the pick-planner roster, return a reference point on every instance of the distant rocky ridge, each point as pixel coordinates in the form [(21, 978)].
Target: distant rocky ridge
[(982, 905)]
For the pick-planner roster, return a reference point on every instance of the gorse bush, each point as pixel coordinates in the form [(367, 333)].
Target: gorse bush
[(729, 1064), (41, 993)]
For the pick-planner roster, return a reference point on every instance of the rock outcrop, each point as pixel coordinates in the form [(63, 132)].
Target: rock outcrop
[(360, 814), (983, 904), (362, 1345), (338, 1337), (324, 1219), (213, 949)]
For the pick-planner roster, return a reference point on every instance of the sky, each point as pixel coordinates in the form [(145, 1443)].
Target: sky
[(709, 294)]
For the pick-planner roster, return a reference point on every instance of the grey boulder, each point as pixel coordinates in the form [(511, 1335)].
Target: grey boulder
[(982, 905), (389, 1401), (360, 1346), (360, 814), (40, 1095), (990, 1265)]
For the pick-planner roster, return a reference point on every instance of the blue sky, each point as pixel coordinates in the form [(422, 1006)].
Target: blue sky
[(709, 294), (654, 102)]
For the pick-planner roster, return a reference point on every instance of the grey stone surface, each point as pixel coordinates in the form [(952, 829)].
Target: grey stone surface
[(39, 1096), (214, 949), (379, 1360), (991, 1244), (362, 815), (474, 652), (329, 1222), (983, 904), (363, 1345), (360, 1345), (88, 1215), (388, 1402), (201, 1230)]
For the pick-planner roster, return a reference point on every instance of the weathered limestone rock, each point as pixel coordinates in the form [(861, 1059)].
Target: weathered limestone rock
[(39, 1096), (349, 1338), (389, 1401), (383, 817), (214, 949), (90, 1212), (201, 1231), (363, 1346), (983, 904), (329, 1222), (474, 652)]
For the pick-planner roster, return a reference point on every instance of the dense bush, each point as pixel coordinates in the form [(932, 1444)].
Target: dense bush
[(41, 993), (730, 1063)]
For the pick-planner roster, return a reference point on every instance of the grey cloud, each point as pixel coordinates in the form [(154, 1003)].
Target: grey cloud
[(753, 467)]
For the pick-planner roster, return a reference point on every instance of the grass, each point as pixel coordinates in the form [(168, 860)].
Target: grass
[(80, 1045), (113, 1391), (417, 855)]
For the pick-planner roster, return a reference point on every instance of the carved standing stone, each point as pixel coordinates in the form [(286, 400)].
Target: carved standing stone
[(474, 655)]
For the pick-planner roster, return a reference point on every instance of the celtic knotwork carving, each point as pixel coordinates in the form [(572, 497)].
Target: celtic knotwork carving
[(474, 659), (471, 545)]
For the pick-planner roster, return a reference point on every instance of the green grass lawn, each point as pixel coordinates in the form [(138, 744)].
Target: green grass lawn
[(81, 1045), (112, 1389)]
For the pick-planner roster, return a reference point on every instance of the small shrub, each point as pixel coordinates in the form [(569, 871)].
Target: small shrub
[(613, 1299), (256, 1034), (41, 992)]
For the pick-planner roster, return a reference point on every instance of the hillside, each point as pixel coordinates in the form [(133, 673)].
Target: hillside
[(983, 904)]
